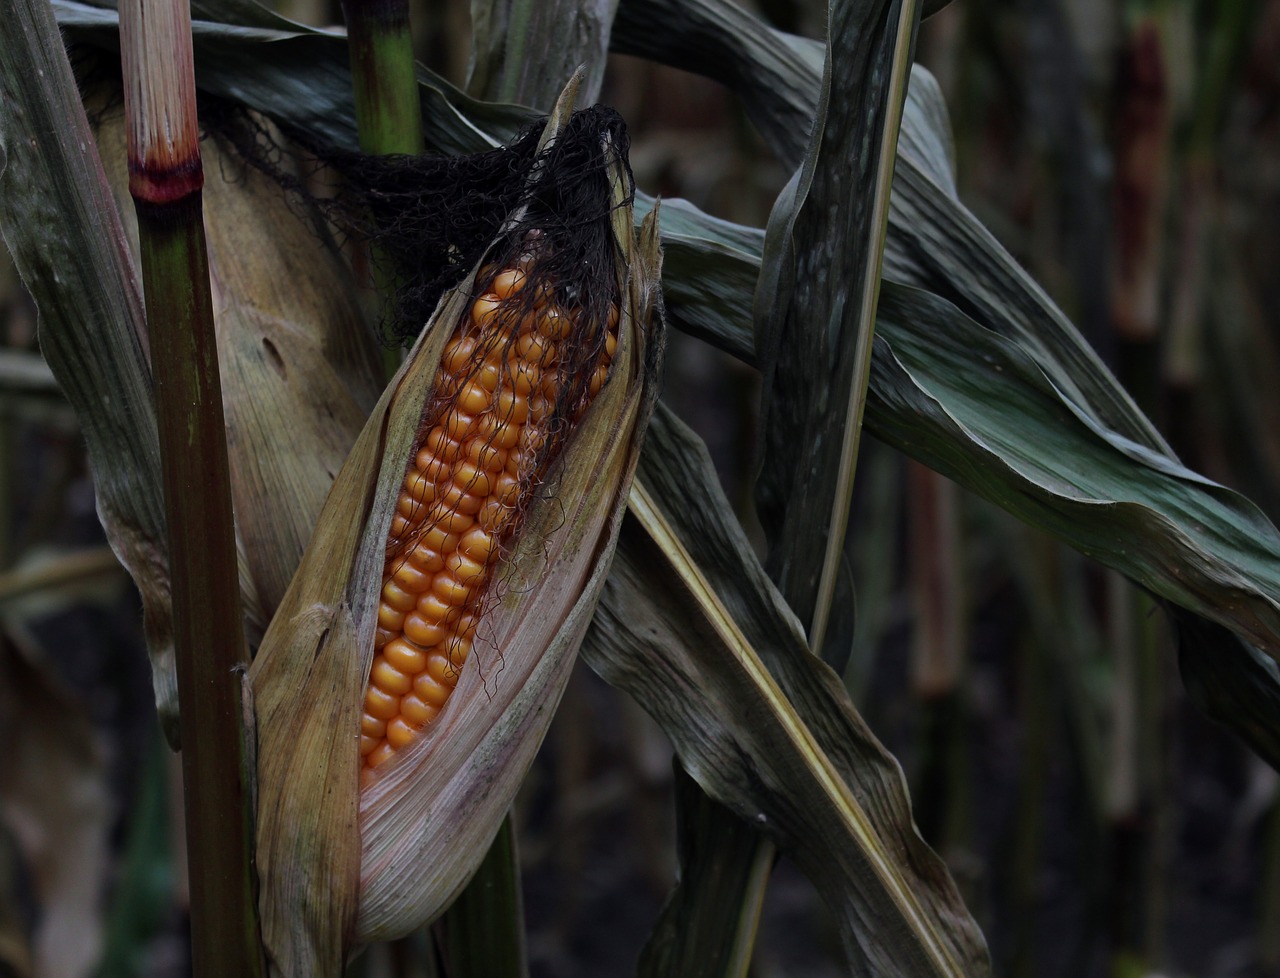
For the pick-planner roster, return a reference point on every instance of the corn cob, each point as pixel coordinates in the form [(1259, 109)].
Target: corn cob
[(516, 375)]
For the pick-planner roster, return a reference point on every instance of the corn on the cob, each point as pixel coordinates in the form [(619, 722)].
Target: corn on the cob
[(512, 381)]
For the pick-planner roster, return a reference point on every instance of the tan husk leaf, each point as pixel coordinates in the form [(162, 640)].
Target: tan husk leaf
[(337, 869), (300, 369)]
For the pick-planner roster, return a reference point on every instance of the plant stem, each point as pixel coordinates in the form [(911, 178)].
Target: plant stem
[(166, 180), (385, 86), (388, 113), (483, 932)]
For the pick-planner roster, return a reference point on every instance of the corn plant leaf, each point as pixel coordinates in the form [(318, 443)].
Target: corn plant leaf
[(778, 75), (814, 311), (1234, 683), (1013, 436), (763, 726), (816, 300), (523, 51), (305, 78), (306, 83), (934, 242), (712, 267), (61, 227), (303, 354), (1197, 544)]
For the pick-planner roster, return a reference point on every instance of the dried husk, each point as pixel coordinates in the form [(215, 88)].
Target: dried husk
[(339, 868), (300, 369)]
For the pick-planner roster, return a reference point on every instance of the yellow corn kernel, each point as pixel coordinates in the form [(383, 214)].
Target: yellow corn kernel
[(416, 712), (473, 473), (388, 678), (399, 733), (423, 633), (405, 658)]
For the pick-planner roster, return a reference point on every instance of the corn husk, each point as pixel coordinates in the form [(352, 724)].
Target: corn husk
[(300, 369), (339, 867)]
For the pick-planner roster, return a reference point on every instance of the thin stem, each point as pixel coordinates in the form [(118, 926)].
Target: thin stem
[(165, 181), (483, 933), (388, 113)]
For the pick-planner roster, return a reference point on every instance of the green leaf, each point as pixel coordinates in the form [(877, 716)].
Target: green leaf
[(935, 243), (977, 407), (778, 75), (815, 307), (524, 51), (691, 626)]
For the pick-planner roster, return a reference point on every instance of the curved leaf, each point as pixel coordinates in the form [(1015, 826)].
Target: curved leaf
[(525, 51), (934, 242), (815, 307), (691, 626), (61, 226), (976, 406)]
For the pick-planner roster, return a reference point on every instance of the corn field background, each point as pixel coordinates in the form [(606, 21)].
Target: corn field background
[(1057, 604)]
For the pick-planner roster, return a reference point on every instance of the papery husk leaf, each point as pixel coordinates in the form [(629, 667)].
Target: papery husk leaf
[(338, 867), (300, 368), (66, 235)]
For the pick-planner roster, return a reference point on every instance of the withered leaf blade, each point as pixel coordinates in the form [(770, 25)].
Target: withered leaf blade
[(691, 626), (63, 231)]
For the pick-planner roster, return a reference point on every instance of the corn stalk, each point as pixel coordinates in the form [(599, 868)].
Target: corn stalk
[(165, 181)]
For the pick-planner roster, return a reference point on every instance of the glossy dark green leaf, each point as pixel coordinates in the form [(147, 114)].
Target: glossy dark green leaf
[(778, 75), (524, 51), (935, 243), (976, 406), (815, 305)]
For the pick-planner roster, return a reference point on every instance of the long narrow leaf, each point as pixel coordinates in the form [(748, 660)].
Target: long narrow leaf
[(60, 224), (524, 51), (816, 302), (764, 726)]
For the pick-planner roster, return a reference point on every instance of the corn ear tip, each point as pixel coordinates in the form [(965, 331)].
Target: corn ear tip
[(566, 102)]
